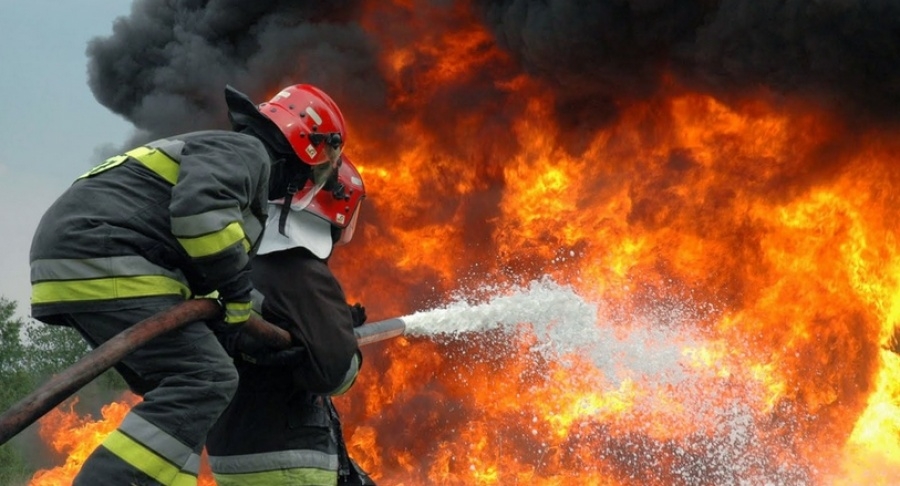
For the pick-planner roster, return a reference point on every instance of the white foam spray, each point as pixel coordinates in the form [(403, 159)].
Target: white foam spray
[(654, 351), (564, 323), (543, 303)]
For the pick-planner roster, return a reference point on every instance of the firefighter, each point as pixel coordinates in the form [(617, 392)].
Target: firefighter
[(282, 427), (175, 219)]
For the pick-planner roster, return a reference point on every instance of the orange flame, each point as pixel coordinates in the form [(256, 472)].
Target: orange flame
[(76, 436), (742, 257)]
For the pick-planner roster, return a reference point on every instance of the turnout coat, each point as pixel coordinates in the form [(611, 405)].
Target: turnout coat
[(281, 427)]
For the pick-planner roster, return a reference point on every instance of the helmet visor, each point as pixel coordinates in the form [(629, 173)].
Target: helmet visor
[(347, 233), (320, 176)]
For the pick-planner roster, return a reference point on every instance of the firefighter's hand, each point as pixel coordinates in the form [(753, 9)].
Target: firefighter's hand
[(231, 342), (238, 344), (293, 356), (359, 314)]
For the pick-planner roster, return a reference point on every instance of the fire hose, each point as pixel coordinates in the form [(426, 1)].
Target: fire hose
[(27, 410)]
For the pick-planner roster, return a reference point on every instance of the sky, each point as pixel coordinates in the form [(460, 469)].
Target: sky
[(51, 128)]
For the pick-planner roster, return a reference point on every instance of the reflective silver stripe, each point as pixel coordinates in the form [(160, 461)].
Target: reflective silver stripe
[(204, 223), (349, 377), (256, 299), (172, 148), (267, 461), (193, 465), (159, 441), (253, 228), (86, 268)]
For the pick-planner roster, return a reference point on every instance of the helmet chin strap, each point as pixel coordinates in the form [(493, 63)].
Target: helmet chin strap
[(294, 185)]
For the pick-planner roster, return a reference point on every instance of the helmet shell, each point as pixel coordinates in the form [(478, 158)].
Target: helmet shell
[(309, 119)]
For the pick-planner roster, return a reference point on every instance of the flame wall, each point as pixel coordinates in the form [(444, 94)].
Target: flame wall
[(716, 175)]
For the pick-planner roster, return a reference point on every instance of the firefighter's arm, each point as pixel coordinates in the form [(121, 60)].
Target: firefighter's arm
[(304, 294), (357, 318), (306, 374), (217, 184)]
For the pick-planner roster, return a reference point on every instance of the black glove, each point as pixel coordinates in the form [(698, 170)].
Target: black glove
[(358, 312), (238, 344), (241, 346), (293, 356), (230, 341)]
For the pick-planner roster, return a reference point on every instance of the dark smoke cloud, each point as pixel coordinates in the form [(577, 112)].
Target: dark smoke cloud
[(165, 66), (843, 53)]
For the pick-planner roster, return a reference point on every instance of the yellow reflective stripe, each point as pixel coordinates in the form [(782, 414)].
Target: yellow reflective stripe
[(184, 479), (158, 162), (297, 476), (160, 442), (106, 165), (140, 457), (237, 312), (155, 160), (213, 243), (106, 289)]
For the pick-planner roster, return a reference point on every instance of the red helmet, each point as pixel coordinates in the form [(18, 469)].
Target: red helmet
[(339, 204), (310, 120), (313, 125)]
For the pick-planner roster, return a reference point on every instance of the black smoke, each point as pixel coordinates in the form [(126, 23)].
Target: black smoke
[(844, 54), (165, 66)]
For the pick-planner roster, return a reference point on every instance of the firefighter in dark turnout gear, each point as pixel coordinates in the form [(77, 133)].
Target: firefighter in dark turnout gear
[(177, 218), (281, 428)]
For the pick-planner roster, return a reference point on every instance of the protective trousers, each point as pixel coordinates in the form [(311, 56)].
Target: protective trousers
[(186, 380)]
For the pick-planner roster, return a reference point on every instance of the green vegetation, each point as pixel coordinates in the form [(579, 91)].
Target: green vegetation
[(30, 353)]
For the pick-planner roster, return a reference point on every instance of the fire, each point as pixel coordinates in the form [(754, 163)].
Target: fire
[(69, 433), (756, 234), (741, 255)]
